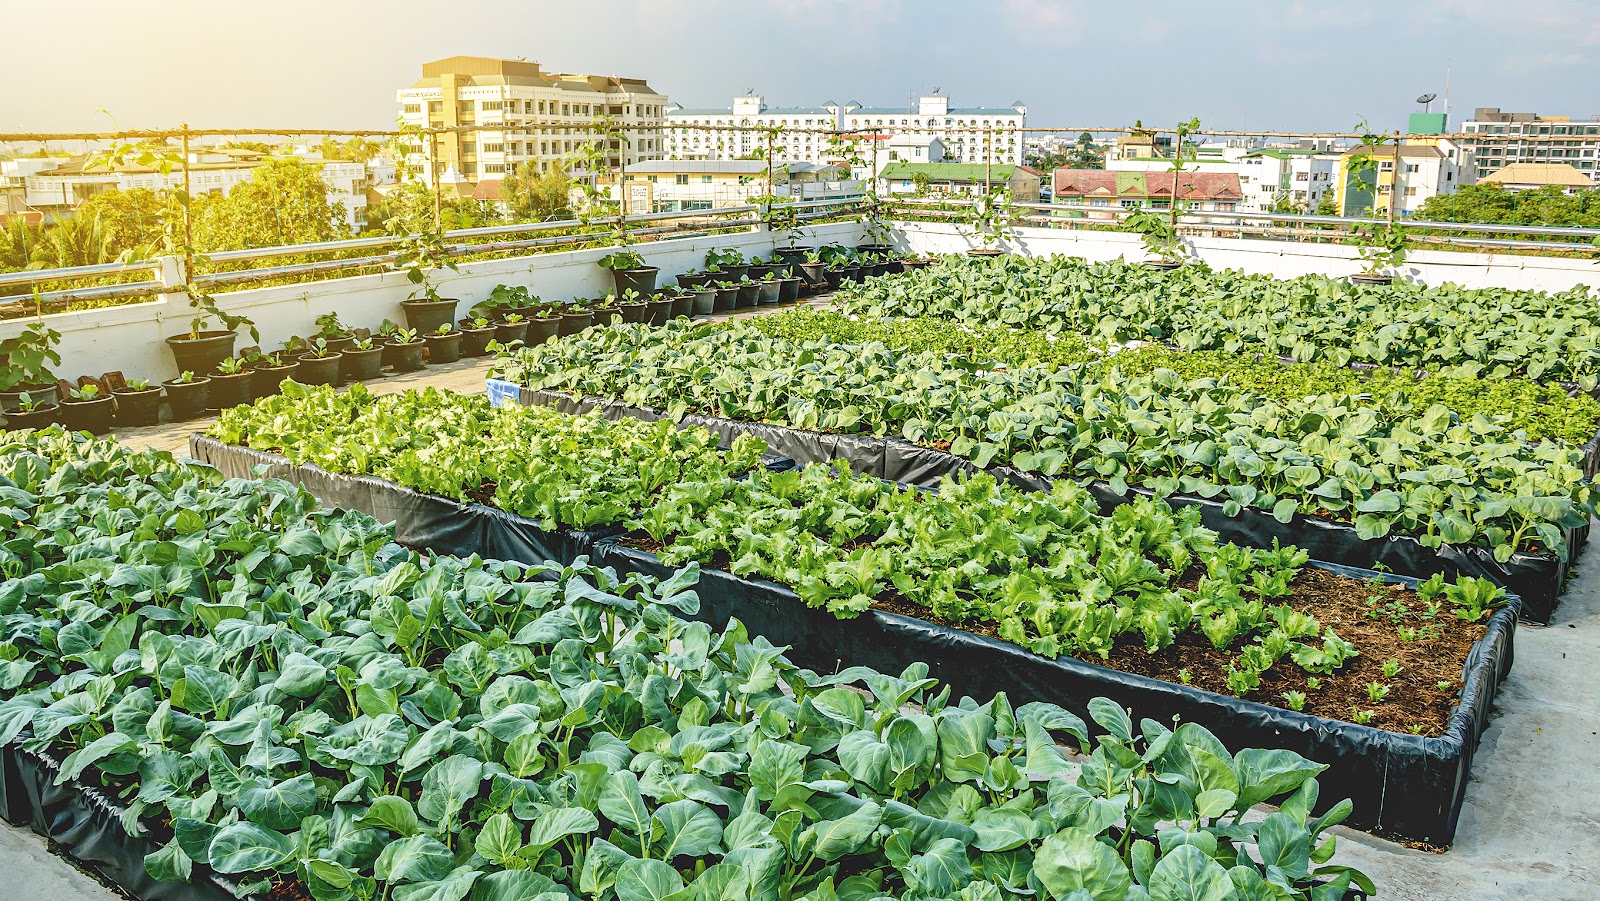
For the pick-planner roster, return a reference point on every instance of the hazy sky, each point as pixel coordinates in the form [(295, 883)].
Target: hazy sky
[(1292, 64)]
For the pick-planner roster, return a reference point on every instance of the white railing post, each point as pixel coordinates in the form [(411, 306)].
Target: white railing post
[(169, 273)]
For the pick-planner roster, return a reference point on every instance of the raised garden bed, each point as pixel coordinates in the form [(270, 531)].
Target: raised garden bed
[(1404, 784), (1538, 579)]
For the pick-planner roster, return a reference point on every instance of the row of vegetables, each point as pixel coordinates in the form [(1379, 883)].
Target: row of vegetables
[(282, 694), (1385, 465), (1043, 570), (1448, 329)]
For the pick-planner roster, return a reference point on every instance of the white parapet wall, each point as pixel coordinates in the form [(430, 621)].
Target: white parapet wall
[(131, 339), (1280, 259)]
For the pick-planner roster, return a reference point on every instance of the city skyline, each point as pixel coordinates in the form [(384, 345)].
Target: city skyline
[(336, 66)]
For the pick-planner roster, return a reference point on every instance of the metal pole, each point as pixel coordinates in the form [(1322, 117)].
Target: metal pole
[(433, 180), (1394, 180), (188, 212)]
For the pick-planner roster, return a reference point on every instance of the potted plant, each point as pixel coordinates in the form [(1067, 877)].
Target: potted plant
[(334, 332), (230, 384), (420, 255), (31, 413), (28, 356), (1381, 246), (511, 327), (186, 395), (812, 270), (137, 403), (727, 297), (658, 309), (788, 288), (363, 360), (682, 302), (634, 309), (271, 370), (444, 345), (1163, 248), (768, 289), (747, 293), (730, 262), (200, 349), (703, 301), (545, 325), (319, 363), (760, 269), (695, 278), (88, 409), (606, 309), (476, 333), (505, 299), (628, 270), (576, 317), (405, 347)]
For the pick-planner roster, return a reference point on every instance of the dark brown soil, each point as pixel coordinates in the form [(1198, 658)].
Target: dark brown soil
[(1368, 616)]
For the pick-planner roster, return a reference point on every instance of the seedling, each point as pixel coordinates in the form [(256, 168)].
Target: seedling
[(1444, 685), (1296, 700), (1391, 668), (1362, 717), (1313, 684), (1377, 691), (87, 392)]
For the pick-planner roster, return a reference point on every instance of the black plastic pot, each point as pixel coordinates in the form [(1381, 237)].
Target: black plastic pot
[(542, 330), (186, 400), (856, 273), (46, 415), (443, 348), (874, 248), (38, 392), (695, 281), (406, 357), (202, 353), (768, 292), (788, 289), (834, 278), (985, 252), (635, 312), (792, 254), (573, 323), (642, 280), (361, 365), (475, 341), (338, 344), (229, 391), (269, 379), (815, 275), (135, 408), (507, 332), (322, 370), (907, 265), (1367, 278), (704, 301), (747, 295), (427, 315), (727, 299), (758, 271), (658, 310), (88, 415), (1162, 265), (734, 273), (682, 305)]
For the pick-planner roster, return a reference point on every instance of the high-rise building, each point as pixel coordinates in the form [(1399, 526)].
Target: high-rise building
[(966, 134), (1514, 138), (533, 116)]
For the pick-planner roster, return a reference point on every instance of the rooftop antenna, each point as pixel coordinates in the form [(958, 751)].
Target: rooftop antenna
[(1447, 63), (1427, 101)]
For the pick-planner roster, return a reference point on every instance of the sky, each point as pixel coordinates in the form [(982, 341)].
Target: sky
[(1234, 64)]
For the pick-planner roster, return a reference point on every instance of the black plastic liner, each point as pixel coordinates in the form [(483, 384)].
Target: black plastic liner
[(1404, 784), (1536, 578), (86, 823), (1401, 784)]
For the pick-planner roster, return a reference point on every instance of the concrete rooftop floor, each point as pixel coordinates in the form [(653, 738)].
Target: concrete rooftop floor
[(1530, 827)]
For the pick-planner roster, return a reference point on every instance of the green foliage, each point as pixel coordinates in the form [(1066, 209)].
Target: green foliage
[(532, 194), (285, 201), (1423, 474), (298, 696), (1495, 203), (622, 260), (26, 357), (1158, 234), (1491, 333), (1381, 246), (984, 344)]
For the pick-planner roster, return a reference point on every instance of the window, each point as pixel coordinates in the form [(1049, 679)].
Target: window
[(705, 179), (492, 105), (681, 180), (494, 169), (1412, 168), (494, 148), (1411, 192), (469, 147), (413, 108)]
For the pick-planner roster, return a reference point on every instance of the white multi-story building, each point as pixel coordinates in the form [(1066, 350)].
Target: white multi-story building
[(534, 116), (664, 186), (966, 134), (1268, 176), (1516, 138)]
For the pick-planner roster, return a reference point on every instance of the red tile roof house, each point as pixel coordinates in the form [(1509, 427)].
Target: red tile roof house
[(1197, 191)]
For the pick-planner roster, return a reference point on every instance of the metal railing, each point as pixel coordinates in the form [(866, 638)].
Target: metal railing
[(468, 242)]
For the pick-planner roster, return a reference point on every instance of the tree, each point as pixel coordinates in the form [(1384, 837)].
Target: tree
[(1495, 203), (357, 150), (285, 201), (532, 195), (133, 220), (1329, 204)]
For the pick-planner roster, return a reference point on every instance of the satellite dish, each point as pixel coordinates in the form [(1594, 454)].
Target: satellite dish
[(1427, 98)]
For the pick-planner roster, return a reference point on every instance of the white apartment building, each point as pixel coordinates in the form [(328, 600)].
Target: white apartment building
[(1427, 167), (966, 134), (670, 186), (533, 116), (1512, 138)]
